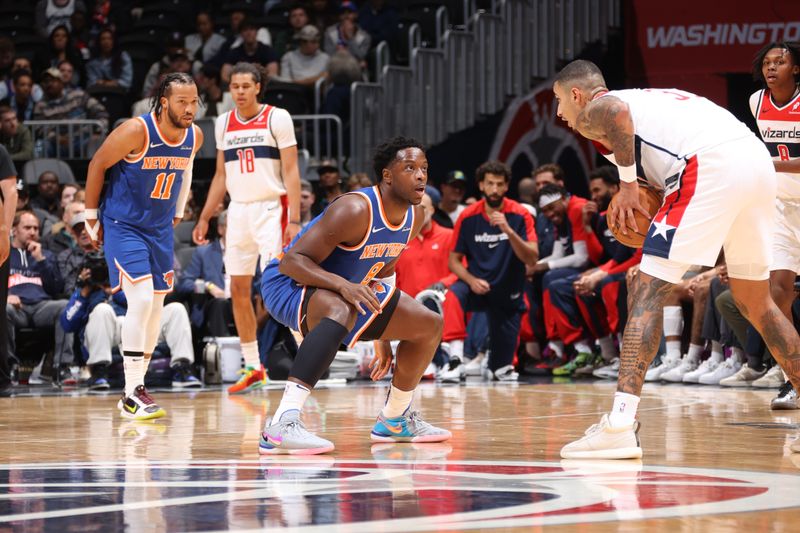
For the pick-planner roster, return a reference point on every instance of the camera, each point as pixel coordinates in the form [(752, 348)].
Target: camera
[(96, 263)]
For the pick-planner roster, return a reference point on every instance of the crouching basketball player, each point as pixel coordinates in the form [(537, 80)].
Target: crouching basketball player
[(335, 284), (149, 163), (719, 184)]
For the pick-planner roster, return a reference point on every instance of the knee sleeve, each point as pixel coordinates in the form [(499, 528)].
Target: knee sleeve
[(140, 304)]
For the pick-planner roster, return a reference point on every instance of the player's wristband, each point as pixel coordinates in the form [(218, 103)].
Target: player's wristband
[(627, 174), (90, 213)]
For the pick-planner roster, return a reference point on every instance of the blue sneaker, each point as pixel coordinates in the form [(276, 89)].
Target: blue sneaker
[(98, 380), (407, 428), (183, 378)]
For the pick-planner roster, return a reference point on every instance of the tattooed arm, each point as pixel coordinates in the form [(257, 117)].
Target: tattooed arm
[(608, 121)]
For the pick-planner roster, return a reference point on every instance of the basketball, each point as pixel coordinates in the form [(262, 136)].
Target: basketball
[(651, 201)]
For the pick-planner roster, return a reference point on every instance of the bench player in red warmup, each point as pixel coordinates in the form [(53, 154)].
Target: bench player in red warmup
[(719, 193)]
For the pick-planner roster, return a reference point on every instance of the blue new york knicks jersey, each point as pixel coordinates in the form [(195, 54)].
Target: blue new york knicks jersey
[(142, 190), (382, 243)]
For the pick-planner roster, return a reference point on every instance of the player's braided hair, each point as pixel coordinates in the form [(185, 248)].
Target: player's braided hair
[(165, 88), (387, 152), (758, 60), (252, 69)]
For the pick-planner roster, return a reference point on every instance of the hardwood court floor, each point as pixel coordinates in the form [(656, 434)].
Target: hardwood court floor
[(715, 460)]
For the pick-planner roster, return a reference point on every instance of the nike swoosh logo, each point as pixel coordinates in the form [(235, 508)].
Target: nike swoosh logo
[(376, 230), (154, 145), (494, 244), (129, 408), (394, 429), (274, 441)]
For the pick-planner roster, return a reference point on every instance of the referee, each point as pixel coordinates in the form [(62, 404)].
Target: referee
[(8, 190)]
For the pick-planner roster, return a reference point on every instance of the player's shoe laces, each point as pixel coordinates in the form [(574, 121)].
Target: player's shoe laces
[(289, 436), (786, 400), (407, 428), (252, 379), (140, 406), (602, 441)]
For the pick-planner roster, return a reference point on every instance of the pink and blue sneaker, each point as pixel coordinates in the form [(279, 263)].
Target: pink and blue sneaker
[(407, 428), (289, 436)]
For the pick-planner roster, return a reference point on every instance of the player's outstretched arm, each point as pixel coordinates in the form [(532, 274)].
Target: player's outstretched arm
[(346, 223), (128, 138), (216, 193)]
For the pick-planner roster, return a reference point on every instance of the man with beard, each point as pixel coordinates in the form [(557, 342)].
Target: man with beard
[(592, 305), (149, 164), (497, 238)]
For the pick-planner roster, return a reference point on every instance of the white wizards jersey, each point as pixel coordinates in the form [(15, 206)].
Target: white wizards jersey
[(779, 128), (252, 152), (670, 126)]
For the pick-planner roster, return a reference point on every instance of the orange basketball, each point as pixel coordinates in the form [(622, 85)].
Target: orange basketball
[(651, 201)]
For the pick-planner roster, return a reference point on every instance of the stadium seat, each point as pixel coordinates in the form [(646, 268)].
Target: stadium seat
[(183, 232), (34, 168), (291, 97)]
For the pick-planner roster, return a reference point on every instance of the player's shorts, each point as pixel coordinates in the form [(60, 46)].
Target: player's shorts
[(723, 199), (138, 255), (254, 229), (786, 244), (287, 301)]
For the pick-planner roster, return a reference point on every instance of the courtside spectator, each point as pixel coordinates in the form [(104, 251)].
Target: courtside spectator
[(14, 136)]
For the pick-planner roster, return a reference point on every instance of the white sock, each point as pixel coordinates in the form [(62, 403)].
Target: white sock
[(607, 348), (695, 351), (716, 352), (457, 349), (397, 402), (624, 411), (133, 367), (582, 346), (294, 396), (558, 347), (673, 321), (673, 350), (737, 354), (250, 354)]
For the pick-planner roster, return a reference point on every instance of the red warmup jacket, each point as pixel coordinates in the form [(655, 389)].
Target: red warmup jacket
[(424, 261)]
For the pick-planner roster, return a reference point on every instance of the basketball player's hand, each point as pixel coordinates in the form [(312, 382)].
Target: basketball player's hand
[(199, 232), (499, 219), (95, 231), (479, 286), (722, 274), (35, 248), (625, 205), (290, 233), (361, 297), (381, 363)]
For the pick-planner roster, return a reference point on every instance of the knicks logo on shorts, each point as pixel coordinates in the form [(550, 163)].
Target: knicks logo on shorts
[(169, 278), (377, 287)]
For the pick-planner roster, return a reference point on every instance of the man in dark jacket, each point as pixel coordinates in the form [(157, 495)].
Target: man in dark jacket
[(34, 283)]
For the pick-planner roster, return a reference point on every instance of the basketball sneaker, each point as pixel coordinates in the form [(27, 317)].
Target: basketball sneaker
[(452, 372), (504, 373), (252, 379), (407, 428), (580, 360), (140, 406), (706, 367), (601, 441), (725, 369), (655, 372), (475, 366), (786, 400), (675, 375), (289, 436), (610, 371), (595, 362), (743, 378), (773, 379), (183, 377), (430, 372), (99, 378)]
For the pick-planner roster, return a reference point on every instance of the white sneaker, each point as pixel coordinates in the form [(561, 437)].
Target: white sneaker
[(743, 378), (475, 366), (609, 371), (771, 380), (654, 373), (676, 374), (504, 373), (705, 367), (601, 441), (724, 370), (430, 372), (452, 372)]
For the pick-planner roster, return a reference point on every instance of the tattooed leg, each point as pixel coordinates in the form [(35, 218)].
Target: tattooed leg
[(754, 301), (642, 332)]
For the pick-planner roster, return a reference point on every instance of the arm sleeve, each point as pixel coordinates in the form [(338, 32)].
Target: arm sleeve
[(186, 183), (75, 313), (280, 122), (575, 260)]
